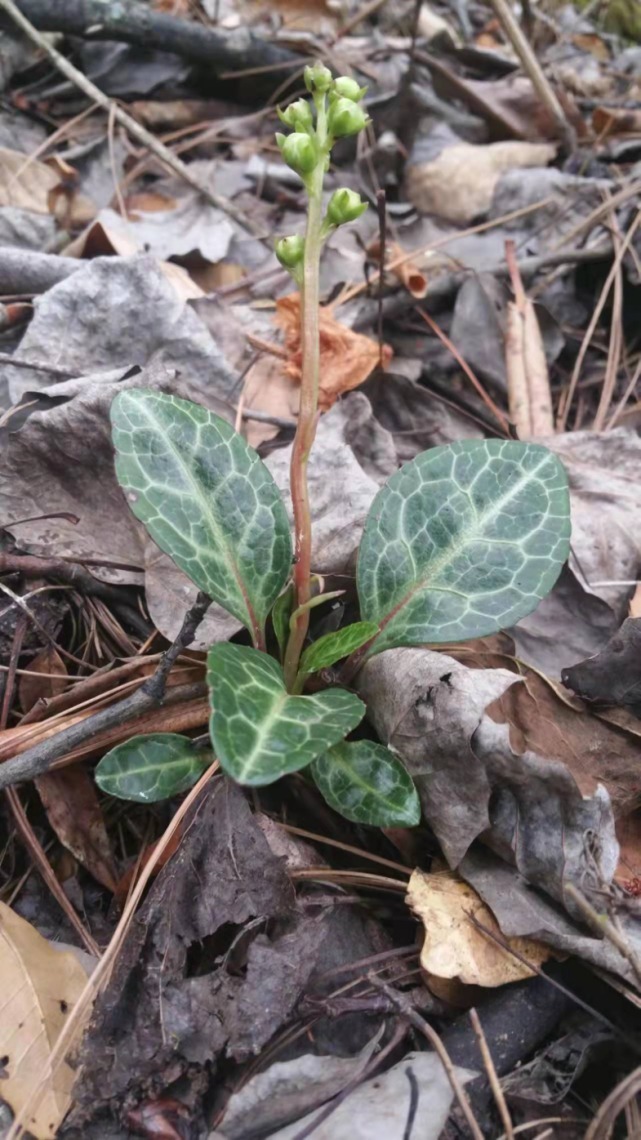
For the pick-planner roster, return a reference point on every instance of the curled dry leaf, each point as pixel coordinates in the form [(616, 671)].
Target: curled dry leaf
[(346, 357), (71, 802), (454, 947), (25, 182), (407, 272), (40, 987), (459, 183)]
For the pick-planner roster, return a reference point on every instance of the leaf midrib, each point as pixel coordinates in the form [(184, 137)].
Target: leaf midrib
[(264, 729), (253, 623)]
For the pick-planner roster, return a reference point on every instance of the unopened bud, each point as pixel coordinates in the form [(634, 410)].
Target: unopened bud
[(318, 78), (347, 88), (298, 115), (346, 118), (290, 251), (345, 206), (299, 152)]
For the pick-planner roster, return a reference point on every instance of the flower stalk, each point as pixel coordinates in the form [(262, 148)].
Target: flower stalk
[(342, 117)]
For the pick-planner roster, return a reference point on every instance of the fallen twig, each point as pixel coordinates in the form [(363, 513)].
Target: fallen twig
[(490, 1069), (405, 1007), (534, 71), (162, 152), (38, 759), (134, 23)]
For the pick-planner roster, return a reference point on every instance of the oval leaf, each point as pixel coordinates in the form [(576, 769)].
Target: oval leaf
[(258, 730), (367, 783), (151, 768), (464, 540), (206, 499), (332, 647)]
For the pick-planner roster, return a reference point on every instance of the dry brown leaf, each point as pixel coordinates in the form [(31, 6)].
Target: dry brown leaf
[(40, 986), (453, 946), (616, 121), (346, 357), (52, 680), (25, 182), (73, 809), (546, 719), (458, 185)]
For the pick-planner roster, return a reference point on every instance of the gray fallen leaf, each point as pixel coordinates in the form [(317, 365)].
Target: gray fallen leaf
[(415, 1088), (414, 417), (566, 200), (119, 310), (582, 613), (427, 707), (431, 710), (287, 1090), (192, 226), (61, 460), (25, 229)]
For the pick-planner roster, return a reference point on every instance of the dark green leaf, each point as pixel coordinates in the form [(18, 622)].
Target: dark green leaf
[(206, 499), (332, 647), (151, 768), (281, 614), (464, 540), (367, 783), (258, 731)]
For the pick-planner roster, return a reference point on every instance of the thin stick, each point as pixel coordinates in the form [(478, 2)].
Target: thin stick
[(487, 400), (534, 71), (600, 305), (490, 1069), (404, 1006), (602, 925), (166, 156)]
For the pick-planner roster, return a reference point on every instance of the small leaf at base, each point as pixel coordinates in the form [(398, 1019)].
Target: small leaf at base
[(281, 613), (258, 730), (367, 783), (332, 647), (151, 768)]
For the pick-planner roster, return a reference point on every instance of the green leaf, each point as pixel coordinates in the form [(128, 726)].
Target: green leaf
[(206, 499), (281, 614), (151, 768), (258, 731), (464, 540), (367, 783), (332, 647)]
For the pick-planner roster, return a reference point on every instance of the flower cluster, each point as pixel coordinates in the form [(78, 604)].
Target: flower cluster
[(336, 113)]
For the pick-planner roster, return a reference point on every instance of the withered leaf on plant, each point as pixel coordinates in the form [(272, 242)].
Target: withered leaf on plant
[(346, 357)]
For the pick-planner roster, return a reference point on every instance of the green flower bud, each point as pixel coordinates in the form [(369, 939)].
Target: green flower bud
[(345, 206), (318, 78), (347, 88), (346, 118), (298, 115), (299, 152), (290, 251)]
